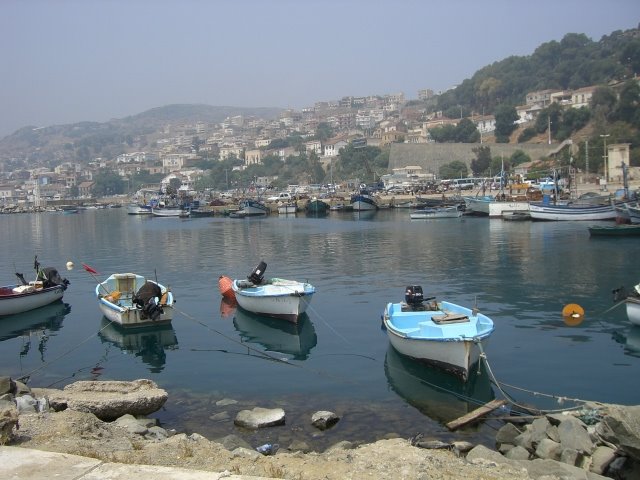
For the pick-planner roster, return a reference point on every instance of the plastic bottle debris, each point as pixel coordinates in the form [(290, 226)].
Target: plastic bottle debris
[(268, 449)]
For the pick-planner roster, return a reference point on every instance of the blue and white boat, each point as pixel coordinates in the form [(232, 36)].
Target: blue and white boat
[(274, 297), (363, 201), (252, 208), (571, 211), (440, 333)]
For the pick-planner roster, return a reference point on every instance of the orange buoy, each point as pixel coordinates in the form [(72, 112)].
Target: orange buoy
[(224, 284), (573, 314)]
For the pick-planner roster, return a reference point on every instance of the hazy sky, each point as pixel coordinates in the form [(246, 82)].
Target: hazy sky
[(64, 61)]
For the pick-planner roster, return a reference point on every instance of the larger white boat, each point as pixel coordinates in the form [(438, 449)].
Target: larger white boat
[(493, 206), (275, 297), (130, 300), (363, 201), (441, 333), (571, 211)]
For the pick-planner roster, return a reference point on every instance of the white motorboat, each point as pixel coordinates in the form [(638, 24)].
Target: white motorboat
[(441, 333), (48, 287), (436, 212), (274, 297), (130, 300)]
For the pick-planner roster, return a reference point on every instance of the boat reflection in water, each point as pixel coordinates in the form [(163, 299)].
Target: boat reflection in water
[(39, 324), (276, 335), (630, 339), (440, 396), (47, 318), (148, 343)]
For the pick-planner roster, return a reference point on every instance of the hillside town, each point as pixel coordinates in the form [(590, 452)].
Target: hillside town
[(174, 151)]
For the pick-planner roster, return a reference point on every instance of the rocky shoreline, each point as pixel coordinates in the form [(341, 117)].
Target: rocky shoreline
[(110, 421)]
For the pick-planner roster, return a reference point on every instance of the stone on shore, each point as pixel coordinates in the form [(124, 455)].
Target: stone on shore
[(108, 400), (324, 420), (260, 418)]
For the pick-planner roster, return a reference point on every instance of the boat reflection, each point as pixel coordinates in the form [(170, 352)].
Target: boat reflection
[(148, 343), (435, 393), (44, 319), (629, 339), (277, 335)]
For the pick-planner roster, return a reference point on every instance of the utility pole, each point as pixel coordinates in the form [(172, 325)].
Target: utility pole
[(605, 156), (549, 127)]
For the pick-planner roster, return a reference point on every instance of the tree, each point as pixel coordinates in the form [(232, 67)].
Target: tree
[(481, 163), (467, 132), (628, 105), (505, 116), (108, 183), (455, 169), (324, 131)]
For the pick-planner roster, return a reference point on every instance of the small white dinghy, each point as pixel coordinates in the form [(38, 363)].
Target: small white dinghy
[(274, 297), (441, 333), (130, 300)]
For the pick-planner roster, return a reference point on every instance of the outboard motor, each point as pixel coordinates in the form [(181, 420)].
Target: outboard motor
[(413, 295), (147, 298), (257, 275), (50, 277)]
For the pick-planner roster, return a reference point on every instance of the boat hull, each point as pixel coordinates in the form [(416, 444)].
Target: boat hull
[(540, 211), (282, 300), (491, 207), (139, 209), (169, 212), (633, 310), (252, 208), (621, 230), (122, 311), (11, 303), (454, 347), (448, 212), (363, 202)]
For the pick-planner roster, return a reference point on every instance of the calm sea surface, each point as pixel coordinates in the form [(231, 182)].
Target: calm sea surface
[(521, 274)]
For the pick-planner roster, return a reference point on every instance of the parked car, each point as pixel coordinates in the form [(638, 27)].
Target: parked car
[(281, 197)]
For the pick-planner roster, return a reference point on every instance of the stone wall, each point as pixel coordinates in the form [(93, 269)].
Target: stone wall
[(431, 156)]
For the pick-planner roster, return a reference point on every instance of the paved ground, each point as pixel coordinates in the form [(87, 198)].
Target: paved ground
[(28, 464)]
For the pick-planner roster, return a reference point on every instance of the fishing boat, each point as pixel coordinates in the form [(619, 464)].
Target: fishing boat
[(634, 213), (47, 288), (138, 209), (288, 208), (493, 206), (436, 212), (571, 211), (166, 212), (618, 230), (131, 300), (363, 201), (274, 297), (252, 208), (317, 207), (440, 333)]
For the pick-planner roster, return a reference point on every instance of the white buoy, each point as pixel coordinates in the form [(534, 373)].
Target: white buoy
[(69, 265)]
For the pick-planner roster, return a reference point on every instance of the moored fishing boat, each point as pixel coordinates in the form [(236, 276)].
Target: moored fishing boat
[(288, 208), (138, 209), (363, 201), (619, 230), (130, 300), (436, 212), (275, 297), (441, 333), (571, 211), (252, 208), (47, 288), (315, 206)]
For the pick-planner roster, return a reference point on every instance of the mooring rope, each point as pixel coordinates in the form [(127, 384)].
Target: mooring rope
[(46, 364)]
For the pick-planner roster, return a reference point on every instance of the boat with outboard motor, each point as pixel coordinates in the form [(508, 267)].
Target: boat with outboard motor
[(47, 288), (440, 333), (274, 297), (130, 300), (631, 301)]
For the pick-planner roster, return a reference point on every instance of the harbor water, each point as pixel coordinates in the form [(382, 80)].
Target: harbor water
[(215, 360)]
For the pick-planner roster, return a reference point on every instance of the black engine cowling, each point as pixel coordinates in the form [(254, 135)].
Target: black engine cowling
[(257, 275), (413, 295)]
